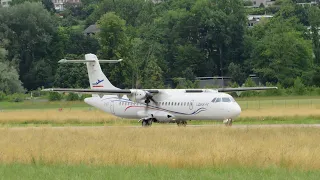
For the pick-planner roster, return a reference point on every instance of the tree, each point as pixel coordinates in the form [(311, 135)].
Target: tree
[(114, 45), (280, 48), (71, 75), (236, 73), (132, 11), (48, 4), (282, 54), (314, 14), (9, 77), (28, 30), (152, 77), (203, 35), (261, 5), (112, 37)]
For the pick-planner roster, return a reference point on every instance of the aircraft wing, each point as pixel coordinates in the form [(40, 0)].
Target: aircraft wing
[(244, 89), (154, 91), (96, 91)]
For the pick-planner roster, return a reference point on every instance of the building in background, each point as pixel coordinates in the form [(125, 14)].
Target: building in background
[(59, 5), (5, 3), (91, 30), (255, 19), (264, 3)]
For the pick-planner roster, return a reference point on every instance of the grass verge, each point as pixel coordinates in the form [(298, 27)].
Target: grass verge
[(78, 172), (282, 147)]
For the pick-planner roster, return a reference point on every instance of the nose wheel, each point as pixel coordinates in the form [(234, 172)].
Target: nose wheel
[(228, 122), (182, 123)]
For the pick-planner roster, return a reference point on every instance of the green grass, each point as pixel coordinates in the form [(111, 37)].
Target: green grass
[(48, 172)]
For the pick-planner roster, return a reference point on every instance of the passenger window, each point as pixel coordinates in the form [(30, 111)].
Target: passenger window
[(218, 100), (184, 103), (188, 103), (225, 99), (178, 104)]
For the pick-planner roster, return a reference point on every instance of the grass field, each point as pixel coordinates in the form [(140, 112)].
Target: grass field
[(277, 110), (33, 172), (290, 148), (245, 103), (166, 152), (85, 117)]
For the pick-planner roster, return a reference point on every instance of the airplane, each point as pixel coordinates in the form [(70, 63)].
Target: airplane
[(156, 105)]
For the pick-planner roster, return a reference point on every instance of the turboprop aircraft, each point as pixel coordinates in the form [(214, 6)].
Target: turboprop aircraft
[(156, 105)]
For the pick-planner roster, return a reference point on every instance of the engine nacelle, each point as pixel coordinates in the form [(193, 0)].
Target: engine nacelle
[(138, 95), (163, 116)]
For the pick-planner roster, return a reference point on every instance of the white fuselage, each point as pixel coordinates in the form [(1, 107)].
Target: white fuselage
[(171, 105)]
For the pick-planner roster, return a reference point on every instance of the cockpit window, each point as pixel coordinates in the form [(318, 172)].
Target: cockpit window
[(232, 100), (226, 99), (214, 99), (218, 100)]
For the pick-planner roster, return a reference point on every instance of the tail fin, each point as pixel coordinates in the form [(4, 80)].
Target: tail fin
[(97, 78)]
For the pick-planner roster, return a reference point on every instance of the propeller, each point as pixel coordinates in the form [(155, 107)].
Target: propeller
[(149, 97)]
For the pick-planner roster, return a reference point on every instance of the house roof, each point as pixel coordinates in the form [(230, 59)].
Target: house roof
[(91, 29)]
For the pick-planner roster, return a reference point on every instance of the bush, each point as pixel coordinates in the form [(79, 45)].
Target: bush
[(273, 92), (72, 97), (37, 93), (249, 83), (83, 96), (299, 87), (16, 97), (2, 96), (54, 96)]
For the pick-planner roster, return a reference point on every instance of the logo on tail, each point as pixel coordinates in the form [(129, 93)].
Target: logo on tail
[(96, 84)]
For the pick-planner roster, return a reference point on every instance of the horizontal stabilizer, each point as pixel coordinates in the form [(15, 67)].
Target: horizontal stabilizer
[(88, 60), (245, 89)]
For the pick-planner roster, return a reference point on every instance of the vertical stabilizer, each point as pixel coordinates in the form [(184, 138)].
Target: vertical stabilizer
[(97, 78)]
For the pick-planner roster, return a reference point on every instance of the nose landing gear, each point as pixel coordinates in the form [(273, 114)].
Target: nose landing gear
[(182, 123), (228, 122)]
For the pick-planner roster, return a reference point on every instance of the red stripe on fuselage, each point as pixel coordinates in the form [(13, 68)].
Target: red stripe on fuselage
[(137, 106)]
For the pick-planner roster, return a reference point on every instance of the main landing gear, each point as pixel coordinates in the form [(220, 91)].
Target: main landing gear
[(228, 122), (182, 123), (146, 122)]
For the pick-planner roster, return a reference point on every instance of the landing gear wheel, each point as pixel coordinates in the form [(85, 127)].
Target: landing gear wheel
[(182, 123), (146, 123), (228, 122)]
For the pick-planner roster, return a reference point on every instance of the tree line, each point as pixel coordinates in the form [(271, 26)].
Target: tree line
[(176, 40)]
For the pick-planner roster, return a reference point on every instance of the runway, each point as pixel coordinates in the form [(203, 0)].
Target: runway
[(172, 126)]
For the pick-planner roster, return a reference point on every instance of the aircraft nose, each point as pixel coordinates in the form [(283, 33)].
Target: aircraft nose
[(238, 109), (235, 110)]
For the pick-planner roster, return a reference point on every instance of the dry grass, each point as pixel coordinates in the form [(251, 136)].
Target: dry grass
[(171, 146), (64, 116), (96, 116)]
